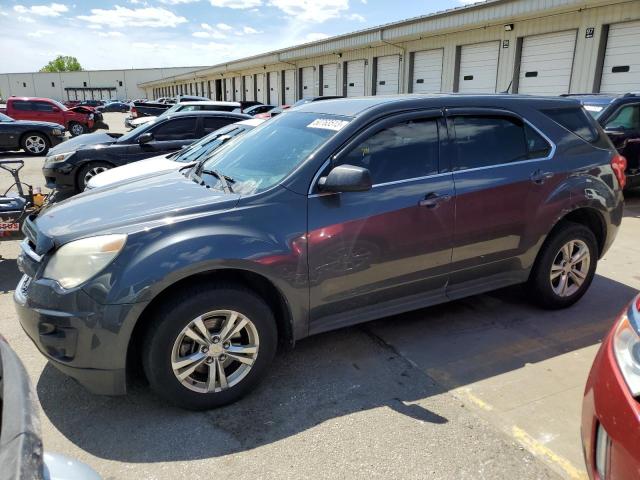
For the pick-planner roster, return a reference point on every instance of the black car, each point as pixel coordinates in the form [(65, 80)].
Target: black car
[(256, 109), (330, 214), (114, 107), (619, 115), (35, 138), (70, 166)]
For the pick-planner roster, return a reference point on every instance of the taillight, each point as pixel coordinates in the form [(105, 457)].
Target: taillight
[(619, 165), (134, 112)]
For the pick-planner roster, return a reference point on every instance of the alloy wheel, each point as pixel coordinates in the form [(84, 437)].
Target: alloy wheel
[(93, 172), (570, 268), (77, 129), (215, 351), (35, 144)]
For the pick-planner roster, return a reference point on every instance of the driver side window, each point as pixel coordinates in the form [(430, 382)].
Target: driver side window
[(400, 152), (627, 118)]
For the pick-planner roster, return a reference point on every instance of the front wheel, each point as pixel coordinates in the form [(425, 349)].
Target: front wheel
[(35, 144), (89, 171), (76, 129), (209, 346), (565, 266)]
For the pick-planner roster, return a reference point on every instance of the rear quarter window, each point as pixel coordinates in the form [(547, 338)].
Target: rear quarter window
[(576, 120)]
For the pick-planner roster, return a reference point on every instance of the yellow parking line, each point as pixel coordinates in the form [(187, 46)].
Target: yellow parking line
[(478, 402), (538, 448)]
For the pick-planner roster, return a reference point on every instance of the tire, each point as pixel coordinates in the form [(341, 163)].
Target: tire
[(90, 170), (563, 290), (76, 129), (34, 143), (166, 343)]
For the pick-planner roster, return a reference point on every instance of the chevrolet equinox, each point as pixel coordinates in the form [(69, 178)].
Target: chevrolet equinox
[(331, 214)]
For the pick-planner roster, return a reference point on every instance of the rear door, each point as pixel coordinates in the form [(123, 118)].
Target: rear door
[(306, 82), (329, 81), (390, 246), (355, 77), (502, 171), (621, 66), (427, 71), (289, 87)]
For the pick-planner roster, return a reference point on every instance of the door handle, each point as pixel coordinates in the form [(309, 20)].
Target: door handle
[(539, 177), (432, 200)]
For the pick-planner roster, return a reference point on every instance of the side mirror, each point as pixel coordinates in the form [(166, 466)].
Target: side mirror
[(346, 178), (55, 109), (145, 138)]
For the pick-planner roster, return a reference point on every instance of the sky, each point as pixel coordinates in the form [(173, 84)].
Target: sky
[(175, 33)]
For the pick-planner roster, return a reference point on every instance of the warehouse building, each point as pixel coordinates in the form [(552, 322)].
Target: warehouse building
[(546, 47), (84, 85)]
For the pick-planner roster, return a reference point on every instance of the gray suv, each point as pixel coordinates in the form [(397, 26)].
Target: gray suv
[(331, 214)]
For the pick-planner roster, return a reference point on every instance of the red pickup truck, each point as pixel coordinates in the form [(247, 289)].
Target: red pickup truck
[(77, 120)]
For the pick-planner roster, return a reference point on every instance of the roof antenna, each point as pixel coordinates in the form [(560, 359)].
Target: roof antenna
[(509, 87)]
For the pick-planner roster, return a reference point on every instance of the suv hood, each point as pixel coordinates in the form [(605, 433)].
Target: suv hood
[(130, 207), (86, 140)]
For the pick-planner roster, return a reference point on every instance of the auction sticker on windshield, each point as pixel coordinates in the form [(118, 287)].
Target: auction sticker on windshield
[(328, 124)]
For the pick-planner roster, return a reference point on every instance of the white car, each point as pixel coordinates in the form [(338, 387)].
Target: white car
[(134, 122), (186, 157)]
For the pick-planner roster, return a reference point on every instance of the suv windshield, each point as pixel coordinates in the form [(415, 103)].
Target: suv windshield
[(269, 152), (203, 148)]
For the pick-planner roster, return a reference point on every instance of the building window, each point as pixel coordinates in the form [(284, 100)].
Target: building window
[(120, 83), (53, 84), (24, 85), (84, 84)]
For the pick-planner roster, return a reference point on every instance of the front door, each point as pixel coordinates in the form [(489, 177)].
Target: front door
[(623, 128), (502, 173), (168, 136), (388, 249)]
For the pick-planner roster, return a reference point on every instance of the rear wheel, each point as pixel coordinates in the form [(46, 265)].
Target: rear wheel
[(76, 129), (89, 171), (565, 266), (35, 143), (209, 346)]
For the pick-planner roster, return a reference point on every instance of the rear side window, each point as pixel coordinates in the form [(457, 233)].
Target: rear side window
[(575, 120), (22, 106), (403, 151), (482, 141), (537, 146), (176, 129)]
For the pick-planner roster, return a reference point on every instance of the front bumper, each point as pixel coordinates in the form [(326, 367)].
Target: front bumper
[(60, 176), (608, 403), (84, 339)]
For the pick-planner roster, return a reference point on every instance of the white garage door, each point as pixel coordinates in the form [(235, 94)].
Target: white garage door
[(260, 88), (621, 69), (228, 89), (545, 64), (274, 90), (355, 78), (427, 71), (289, 87), (248, 87), (330, 79), (237, 89), (307, 82), (479, 67), (388, 75)]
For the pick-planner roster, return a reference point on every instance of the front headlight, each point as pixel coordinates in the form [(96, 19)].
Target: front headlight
[(57, 132), (626, 347), (59, 157), (91, 116), (76, 262)]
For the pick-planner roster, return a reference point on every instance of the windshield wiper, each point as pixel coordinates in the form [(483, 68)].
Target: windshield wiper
[(224, 179)]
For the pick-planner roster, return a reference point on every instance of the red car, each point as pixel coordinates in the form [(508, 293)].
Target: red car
[(77, 120), (611, 407)]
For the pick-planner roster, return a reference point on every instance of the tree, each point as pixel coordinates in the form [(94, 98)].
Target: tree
[(62, 63)]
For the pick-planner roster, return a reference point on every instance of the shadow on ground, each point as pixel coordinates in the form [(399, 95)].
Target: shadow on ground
[(337, 374)]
